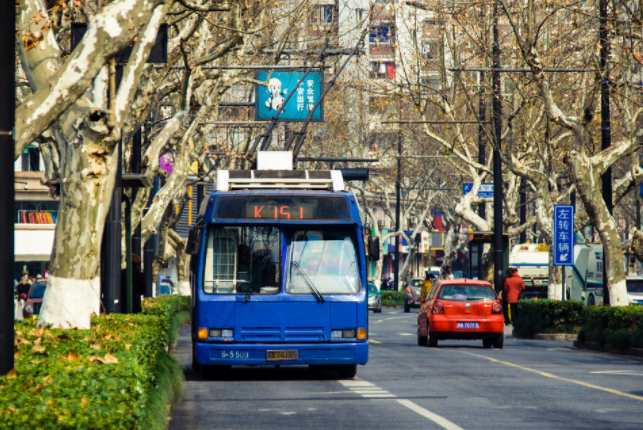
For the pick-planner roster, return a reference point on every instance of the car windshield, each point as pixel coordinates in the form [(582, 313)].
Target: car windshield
[(242, 260), (466, 292), (416, 283), (326, 258), (372, 289), (634, 285), (38, 290)]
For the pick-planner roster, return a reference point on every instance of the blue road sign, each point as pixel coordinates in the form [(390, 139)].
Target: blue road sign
[(280, 85), (563, 235), (485, 190)]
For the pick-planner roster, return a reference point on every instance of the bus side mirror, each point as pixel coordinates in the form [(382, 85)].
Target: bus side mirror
[(373, 248), (194, 238)]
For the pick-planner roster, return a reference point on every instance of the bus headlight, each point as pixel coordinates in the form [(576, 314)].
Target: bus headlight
[(342, 334), (217, 332)]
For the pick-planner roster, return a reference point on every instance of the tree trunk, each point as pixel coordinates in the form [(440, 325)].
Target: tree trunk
[(73, 287), (588, 183), (182, 263)]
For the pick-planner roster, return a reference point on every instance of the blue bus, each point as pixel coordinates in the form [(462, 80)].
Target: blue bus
[(278, 273)]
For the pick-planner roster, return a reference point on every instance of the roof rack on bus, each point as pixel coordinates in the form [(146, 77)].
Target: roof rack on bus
[(280, 179)]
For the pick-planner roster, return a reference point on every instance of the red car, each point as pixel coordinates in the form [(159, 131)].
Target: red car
[(461, 309), (34, 299)]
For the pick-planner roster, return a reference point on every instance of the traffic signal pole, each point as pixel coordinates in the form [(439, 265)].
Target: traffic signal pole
[(7, 119), (498, 261), (606, 133)]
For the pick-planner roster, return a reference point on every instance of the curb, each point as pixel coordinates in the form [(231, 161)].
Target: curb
[(556, 336), (595, 346)]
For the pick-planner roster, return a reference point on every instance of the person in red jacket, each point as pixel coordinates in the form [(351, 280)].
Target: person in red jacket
[(514, 285)]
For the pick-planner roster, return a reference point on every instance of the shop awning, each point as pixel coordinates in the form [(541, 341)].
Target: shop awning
[(34, 244)]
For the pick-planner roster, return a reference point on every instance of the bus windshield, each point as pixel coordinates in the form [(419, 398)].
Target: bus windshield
[(327, 258), (242, 260)]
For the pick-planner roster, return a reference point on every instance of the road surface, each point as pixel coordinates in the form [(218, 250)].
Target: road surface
[(459, 385)]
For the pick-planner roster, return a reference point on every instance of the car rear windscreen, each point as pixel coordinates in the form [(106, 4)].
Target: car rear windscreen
[(634, 286), (466, 292)]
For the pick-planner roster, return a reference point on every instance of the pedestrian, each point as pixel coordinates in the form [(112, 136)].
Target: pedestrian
[(427, 284), (514, 285), (408, 277), (24, 286)]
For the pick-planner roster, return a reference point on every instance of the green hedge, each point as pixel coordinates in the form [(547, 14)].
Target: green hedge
[(393, 295), (548, 316), (118, 374), (621, 327)]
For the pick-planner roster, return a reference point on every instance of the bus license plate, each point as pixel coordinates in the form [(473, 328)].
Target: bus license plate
[(286, 354), (468, 325)]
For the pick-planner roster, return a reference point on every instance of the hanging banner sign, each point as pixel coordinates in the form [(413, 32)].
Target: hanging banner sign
[(563, 235), (269, 99)]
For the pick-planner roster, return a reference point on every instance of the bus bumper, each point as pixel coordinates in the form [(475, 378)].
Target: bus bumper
[(256, 353)]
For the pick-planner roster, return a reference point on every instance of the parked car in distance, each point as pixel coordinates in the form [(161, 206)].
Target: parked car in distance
[(412, 294), (634, 285), (374, 298), (461, 309), (34, 298)]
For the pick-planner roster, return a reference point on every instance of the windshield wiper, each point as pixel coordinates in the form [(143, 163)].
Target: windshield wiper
[(476, 298), (307, 281)]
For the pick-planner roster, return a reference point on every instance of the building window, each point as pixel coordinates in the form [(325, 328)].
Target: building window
[(430, 49), (383, 69), (381, 34), (322, 14), (360, 14), (433, 82), (35, 212), (31, 159)]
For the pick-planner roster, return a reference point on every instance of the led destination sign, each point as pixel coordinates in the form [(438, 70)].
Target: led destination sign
[(282, 208)]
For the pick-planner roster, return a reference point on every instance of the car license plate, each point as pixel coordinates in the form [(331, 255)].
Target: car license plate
[(467, 325), (286, 354)]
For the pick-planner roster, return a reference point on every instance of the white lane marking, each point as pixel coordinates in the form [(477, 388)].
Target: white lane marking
[(620, 372), (374, 341), (312, 409), (405, 334), (393, 318), (356, 384), (366, 389), (287, 413), (442, 422), (378, 396)]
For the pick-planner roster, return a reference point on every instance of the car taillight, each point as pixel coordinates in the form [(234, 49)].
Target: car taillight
[(496, 308), (408, 290), (438, 308)]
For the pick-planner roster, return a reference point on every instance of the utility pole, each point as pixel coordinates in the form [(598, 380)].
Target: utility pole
[(398, 189), (7, 120), (498, 261), (482, 159), (523, 210), (606, 133)]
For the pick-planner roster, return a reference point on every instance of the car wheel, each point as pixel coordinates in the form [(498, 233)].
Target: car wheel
[(499, 342), (407, 308), (487, 343), (379, 310), (195, 365), (591, 301), (422, 340), (433, 340), (347, 371)]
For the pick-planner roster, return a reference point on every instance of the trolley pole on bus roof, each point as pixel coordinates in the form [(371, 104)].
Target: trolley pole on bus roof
[(7, 117)]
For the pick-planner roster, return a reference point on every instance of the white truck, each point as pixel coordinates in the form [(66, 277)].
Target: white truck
[(584, 280), (532, 262)]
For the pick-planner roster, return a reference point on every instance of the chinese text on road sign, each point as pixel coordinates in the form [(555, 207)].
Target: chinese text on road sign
[(280, 84), (563, 235), (485, 190)]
